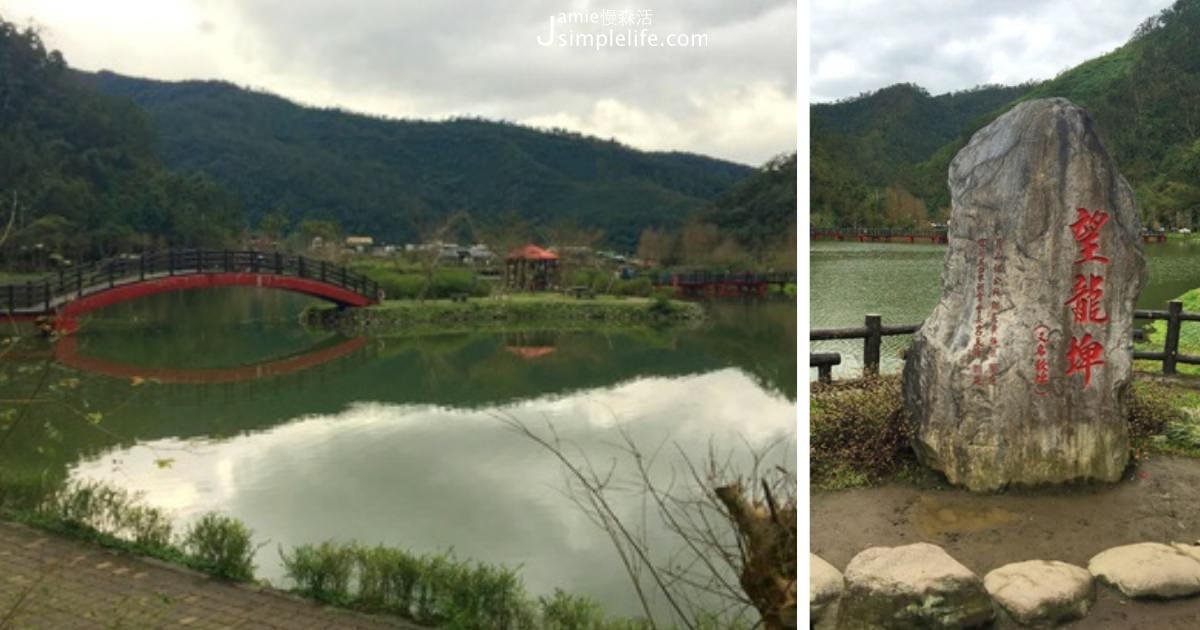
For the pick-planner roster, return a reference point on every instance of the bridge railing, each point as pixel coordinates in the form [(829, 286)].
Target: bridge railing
[(715, 277), (42, 294), (873, 331)]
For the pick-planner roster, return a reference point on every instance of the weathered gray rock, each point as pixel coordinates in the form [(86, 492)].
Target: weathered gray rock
[(914, 586), (1041, 592), (1149, 570), (824, 587), (1044, 252)]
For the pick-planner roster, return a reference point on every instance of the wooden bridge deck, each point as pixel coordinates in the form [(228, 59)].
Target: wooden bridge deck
[(73, 291)]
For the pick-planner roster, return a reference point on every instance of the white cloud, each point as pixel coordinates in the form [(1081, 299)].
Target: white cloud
[(433, 60), (863, 45)]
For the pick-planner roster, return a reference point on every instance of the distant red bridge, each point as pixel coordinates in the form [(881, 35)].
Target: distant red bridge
[(901, 235), (710, 284), (60, 298)]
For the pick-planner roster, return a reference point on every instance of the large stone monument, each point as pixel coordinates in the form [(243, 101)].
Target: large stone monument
[(1021, 374)]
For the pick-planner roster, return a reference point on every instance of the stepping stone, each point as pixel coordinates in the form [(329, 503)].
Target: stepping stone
[(824, 586), (1042, 592), (1149, 569), (914, 586)]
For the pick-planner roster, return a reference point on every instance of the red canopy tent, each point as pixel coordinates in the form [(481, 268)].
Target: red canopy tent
[(531, 268)]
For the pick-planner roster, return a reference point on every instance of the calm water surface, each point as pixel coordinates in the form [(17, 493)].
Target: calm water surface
[(218, 400), (902, 282)]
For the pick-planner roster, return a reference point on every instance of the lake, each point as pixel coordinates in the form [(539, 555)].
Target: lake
[(902, 282), (220, 400)]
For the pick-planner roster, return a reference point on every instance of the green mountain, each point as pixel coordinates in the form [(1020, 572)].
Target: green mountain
[(882, 158), (79, 175), (759, 212), (394, 179)]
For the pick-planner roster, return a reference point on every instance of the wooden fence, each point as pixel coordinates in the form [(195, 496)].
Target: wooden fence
[(873, 331)]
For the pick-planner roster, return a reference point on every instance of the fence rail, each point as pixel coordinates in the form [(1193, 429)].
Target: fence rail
[(43, 294), (873, 331)]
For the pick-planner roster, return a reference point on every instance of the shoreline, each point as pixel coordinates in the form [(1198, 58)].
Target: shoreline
[(405, 317)]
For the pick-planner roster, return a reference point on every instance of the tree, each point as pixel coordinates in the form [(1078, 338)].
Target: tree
[(656, 245), (736, 527), (274, 225), (328, 232)]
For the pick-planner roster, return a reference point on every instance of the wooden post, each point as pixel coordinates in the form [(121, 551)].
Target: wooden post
[(78, 282), (1171, 348), (322, 271), (46, 288), (170, 262), (225, 259), (61, 279), (11, 305), (110, 274), (278, 264), (871, 345), (300, 265), (142, 266)]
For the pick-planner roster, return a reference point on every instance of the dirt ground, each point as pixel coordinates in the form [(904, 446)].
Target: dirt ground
[(1159, 502)]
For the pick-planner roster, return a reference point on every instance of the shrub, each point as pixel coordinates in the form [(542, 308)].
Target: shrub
[(662, 307), (563, 611), (640, 286), (858, 431), (1151, 408), (95, 508), (222, 546), (322, 571)]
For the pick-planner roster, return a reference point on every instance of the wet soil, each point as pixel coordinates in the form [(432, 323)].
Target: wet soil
[(1158, 502)]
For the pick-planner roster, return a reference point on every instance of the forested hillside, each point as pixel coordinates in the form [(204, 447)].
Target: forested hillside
[(79, 176), (394, 179), (759, 212), (1144, 96)]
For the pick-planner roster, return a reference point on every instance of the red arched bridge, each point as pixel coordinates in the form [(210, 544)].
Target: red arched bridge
[(65, 295)]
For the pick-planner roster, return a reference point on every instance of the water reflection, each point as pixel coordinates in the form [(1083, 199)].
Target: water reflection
[(391, 440), (430, 478), (902, 282)]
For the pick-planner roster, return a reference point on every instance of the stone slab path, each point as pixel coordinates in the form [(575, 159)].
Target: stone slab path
[(51, 582)]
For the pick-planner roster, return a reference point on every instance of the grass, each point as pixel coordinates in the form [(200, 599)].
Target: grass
[(1189, 337), (116, 519), (860, 432), (436, 589), (547, 311)]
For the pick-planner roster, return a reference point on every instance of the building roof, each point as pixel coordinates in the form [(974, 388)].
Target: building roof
[(531, 252)]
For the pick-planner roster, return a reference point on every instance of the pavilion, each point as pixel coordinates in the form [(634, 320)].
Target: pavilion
[(531, 268)]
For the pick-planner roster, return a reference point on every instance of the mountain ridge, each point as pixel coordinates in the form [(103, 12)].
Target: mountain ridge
[(305, 162)]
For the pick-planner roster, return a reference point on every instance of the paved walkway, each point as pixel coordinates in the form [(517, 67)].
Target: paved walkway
[(51, 582)]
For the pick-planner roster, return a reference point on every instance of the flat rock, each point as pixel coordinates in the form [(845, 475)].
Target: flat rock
[(914, 586), (1149, 569), (1021, 373), (1041, 591), (824, 586)]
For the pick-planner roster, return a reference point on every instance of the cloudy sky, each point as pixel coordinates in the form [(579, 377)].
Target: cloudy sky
[(734, 97), (947, 45)]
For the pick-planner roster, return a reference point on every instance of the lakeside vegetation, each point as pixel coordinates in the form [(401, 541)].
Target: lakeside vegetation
[(433, 589), (880, 159), (549, 311), (860, 431)]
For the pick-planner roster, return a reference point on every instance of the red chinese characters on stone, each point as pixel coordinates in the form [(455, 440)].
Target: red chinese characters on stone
[(1041, 365), (1083, 356), (1086, 300), (1087, 234), (1087, 296)]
